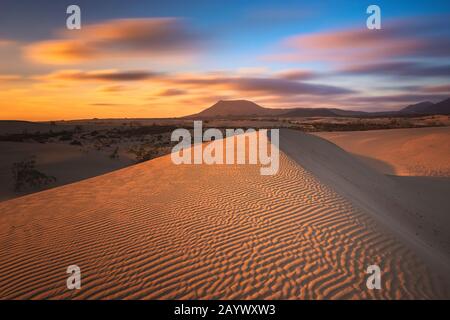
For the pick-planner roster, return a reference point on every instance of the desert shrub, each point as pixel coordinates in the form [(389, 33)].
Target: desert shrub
[(41, 137), (75, 143), (66, 136), (144, 130), (25, 175), (142, 154)]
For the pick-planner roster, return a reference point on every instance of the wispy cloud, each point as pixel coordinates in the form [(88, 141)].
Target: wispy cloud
[(100, 75), (217, 81), (172, 92), (397, 39), (400, 98), (285, 87), (296, 74), (7, 42), (401, 68), (149, 37), (112, 88), (437, 89), (10, 77)]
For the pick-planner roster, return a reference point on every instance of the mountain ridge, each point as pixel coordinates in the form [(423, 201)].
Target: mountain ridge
[(246, 108)]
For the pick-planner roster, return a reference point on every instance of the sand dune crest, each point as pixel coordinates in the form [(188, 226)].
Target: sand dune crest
[(160, 231)]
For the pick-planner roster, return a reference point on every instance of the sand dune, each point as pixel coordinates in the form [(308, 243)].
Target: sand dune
[(404, 152), (160, 231), (419, 217)]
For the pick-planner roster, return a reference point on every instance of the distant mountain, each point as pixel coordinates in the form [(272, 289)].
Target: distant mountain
[(427, 107), (323, 112), (420, 107), (442, 107), (236, 108), (245, 108)]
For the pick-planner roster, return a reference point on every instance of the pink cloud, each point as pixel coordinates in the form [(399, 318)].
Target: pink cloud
[(397, 39)]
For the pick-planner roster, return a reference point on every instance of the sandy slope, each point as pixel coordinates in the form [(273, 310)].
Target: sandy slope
[(404, 152), (416, 211), (157, 230)]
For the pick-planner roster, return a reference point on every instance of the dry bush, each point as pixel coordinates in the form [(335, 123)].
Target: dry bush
[(26, 176)]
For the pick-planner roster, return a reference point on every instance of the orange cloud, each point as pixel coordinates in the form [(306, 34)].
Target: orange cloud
[(149, 37), (6, 42), (9, 77), (112, 88), (61, 51)]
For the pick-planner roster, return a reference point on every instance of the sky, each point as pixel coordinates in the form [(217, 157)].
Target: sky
[(140, 59)]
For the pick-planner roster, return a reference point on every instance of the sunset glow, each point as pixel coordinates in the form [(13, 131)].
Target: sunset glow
[(149, 60)]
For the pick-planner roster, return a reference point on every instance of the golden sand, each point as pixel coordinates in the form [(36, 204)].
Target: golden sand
[(161, 231)]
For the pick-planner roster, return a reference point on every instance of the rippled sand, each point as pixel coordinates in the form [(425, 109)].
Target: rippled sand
[(161, 231)]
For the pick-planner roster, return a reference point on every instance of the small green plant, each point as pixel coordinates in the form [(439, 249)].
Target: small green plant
[(25, 175)]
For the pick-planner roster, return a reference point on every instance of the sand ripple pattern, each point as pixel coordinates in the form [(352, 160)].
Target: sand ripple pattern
[(160, 231)]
